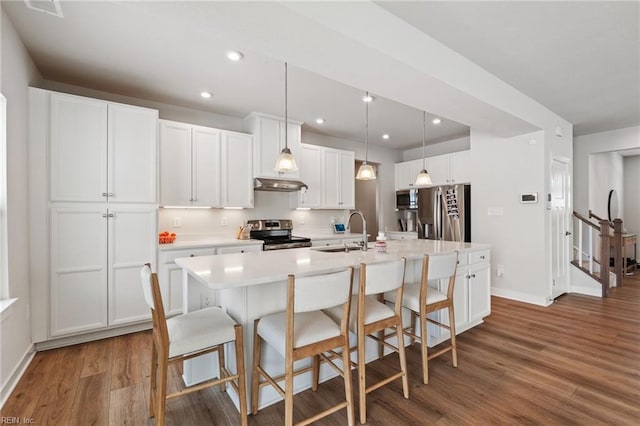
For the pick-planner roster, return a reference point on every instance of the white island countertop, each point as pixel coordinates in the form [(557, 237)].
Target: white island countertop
[(249, 269)]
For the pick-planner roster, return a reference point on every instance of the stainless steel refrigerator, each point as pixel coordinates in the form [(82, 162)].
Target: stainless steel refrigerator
[(444, 213)]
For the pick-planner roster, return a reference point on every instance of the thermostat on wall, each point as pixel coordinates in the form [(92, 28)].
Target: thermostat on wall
[(529, 198)]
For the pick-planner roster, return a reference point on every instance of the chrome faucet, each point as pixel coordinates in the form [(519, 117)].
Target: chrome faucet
[(363, 243)]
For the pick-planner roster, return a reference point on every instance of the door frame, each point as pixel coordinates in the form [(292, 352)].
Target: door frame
[(568, 224)]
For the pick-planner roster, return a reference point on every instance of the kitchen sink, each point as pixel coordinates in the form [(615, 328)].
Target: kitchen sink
[(337, 248)]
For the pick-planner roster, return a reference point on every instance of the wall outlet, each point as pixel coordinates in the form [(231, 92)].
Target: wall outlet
[(223, 221), (177, 222), (205, 302), (500, 270)]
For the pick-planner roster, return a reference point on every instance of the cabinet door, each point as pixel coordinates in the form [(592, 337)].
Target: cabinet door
[(331, 174), (237, 182), (132, 154), (205, 160), (479, 291), (460, 167), (175, 164), (78, 148), (310, 164), (294, 135), (132, 243), (78, 256), (438, 168), (172, 288), (406, 173), (347, 180), (267, 133)]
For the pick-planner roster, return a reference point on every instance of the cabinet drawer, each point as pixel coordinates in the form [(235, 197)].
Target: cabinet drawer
[(239, 249), (463, 260), (170, 256), (481, 256)]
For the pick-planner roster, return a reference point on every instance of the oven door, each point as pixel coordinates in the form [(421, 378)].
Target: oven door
[(407, 199)]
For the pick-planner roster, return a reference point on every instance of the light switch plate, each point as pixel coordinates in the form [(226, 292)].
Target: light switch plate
[(495, 211)]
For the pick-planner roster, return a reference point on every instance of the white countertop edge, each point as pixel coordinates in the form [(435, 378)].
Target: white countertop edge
[(215, 242)]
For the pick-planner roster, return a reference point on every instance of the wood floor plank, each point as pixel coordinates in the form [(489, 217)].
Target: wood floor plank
[(574, 362)]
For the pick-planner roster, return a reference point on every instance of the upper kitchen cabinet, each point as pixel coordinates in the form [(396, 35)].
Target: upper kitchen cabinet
[(237, 180), (189, 165), (310, 164), (450, 169), (406, 173), (269, 140), (339, 179), (101, 151), (202, 166)]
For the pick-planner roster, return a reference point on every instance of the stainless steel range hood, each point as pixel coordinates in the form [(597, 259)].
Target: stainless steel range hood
[(278, 185)]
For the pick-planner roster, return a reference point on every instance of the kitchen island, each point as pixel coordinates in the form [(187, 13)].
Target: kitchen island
[(251, 285)]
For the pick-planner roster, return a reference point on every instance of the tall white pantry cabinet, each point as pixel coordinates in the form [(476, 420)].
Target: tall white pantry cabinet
[(93, 212)]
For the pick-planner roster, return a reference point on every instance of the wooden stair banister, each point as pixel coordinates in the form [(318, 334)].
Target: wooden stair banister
[(604, 256), (617, 251)]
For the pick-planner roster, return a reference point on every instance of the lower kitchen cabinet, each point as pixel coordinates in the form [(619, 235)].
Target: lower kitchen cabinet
[(170, 274), (96, 253)]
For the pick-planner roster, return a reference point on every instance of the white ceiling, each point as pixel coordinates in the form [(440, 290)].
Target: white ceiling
[(578, 59)]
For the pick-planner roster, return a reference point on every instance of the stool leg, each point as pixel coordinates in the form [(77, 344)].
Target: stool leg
[(288, 390), (162, 389), (152, 386), (346, 374), (403, 360), (452, 325), (423, 348), (362, 379), (221, 367), (257, 350), (315, 372), (242, 390)]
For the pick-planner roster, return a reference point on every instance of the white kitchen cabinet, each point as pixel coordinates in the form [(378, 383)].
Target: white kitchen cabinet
[(460, 167), (339, 179), (438, 168), (269, 140), (479, 291), (101, 151), (95, 255), (406, 174), (189, 165), (202, 166), (237, 180), (310, 164), (402, 235)]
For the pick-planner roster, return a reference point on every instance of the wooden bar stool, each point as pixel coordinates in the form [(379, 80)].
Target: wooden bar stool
[(304, 331), (421, 299), (373, 317), (187, 336)]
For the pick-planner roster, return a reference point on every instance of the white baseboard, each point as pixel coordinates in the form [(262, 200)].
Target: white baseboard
[(520, 297), (89, 337), (587, 291), (15, 377)]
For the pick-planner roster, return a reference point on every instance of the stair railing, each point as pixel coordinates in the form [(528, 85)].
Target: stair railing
[(597, 245), (616, 242)]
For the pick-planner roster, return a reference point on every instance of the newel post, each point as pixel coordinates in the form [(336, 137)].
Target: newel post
[(617, 249), (604, 256)]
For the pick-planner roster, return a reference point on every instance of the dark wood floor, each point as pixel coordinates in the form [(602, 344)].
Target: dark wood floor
[(575, 362)]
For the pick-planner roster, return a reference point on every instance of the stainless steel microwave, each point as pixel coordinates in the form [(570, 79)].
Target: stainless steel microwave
[(407, 199)]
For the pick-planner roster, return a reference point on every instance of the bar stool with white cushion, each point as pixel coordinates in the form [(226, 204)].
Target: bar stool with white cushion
[(374, 316), (187, 336), (304, 331), (422, 299)]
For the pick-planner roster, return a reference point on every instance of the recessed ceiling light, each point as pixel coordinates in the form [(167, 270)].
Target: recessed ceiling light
[(320, 120), (205, 95), (436, 121), (367, 98), (234, 55), (385, 136)]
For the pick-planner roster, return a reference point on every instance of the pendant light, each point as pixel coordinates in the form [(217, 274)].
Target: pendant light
[(285, 162), (423, 177), (366, 171)]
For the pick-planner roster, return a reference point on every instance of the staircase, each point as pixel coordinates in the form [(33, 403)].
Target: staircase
[(592, 247)]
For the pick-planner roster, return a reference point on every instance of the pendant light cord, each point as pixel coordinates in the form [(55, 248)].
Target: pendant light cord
[(286, 121), (366, 134), (424, 120)]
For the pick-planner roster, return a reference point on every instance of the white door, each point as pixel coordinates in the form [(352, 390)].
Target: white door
[(78, 269), (175, 164), (560, 240), (132, 154), (78, 149), (237, 182), (206, 166), (132, 243)]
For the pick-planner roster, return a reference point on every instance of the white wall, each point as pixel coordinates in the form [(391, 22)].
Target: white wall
[(631, 212), (447, 147), (502, 170), (583, 146), (606, 172), (17, 73)]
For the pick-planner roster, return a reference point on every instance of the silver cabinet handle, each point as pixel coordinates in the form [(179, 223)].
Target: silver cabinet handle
[(482, 257), (104, 194), (111, 215), (104, 215)]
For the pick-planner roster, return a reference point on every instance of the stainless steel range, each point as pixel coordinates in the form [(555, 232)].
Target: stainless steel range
[(276, 234)]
